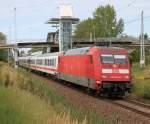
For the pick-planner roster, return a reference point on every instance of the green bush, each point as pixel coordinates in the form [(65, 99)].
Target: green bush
[(146, 91), (141, 86), (135, 56)]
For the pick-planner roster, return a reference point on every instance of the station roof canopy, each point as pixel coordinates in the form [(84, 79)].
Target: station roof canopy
[(65, 13), (56, 20)]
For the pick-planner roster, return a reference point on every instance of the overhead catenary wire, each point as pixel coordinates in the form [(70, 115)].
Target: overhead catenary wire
[(128, 5), (137, 19)]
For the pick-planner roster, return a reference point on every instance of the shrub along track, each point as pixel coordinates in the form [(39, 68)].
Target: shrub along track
[(111, 109)]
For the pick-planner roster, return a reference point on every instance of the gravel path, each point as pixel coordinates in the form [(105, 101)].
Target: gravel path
[(117, 114)]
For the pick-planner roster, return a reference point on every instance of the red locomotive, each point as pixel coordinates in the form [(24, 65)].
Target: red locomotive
[(104, 69)]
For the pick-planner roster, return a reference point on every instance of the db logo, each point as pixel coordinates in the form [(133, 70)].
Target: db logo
[(115, 71)]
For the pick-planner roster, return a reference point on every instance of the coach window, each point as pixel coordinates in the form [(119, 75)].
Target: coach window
[(45, 62), (55, 62), (50, 62), (33, 61), (39, 61)]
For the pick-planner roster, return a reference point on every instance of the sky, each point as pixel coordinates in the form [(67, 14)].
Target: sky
[(32, 14)]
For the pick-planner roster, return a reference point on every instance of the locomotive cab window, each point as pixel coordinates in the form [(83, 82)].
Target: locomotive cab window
[(107, 59), (113, 59), (120, 59)]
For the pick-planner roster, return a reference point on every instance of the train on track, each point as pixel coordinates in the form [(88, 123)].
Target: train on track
[(103, 69)]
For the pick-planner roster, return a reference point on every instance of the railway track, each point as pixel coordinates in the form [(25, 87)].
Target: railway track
[(134, 101), (126, 103), (135, 106)]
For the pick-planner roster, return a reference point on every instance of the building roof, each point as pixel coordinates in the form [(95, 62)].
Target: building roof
[(65, 11)]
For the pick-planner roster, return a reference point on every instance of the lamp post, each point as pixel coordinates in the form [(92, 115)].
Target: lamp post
[(94, 32), (15, 38), (110, 37), (142, 47)]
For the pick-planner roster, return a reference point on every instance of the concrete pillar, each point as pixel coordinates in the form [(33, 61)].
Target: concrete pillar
[(65, 34), (16, 58), (65, 22)]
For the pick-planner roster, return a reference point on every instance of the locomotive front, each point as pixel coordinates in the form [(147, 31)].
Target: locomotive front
[(115, 71)]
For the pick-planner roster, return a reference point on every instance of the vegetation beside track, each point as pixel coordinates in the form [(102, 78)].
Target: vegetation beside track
[(20, 88), (141, 81)]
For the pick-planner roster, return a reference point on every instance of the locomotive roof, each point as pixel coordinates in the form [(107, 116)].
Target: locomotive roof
[(78, 51), (85, 50)]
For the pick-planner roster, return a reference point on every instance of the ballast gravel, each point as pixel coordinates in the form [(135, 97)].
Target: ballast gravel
[(108, 110)]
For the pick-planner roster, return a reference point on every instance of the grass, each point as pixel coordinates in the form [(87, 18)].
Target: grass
[(16, 106), (62, 109), (20, 107), (141, 86)]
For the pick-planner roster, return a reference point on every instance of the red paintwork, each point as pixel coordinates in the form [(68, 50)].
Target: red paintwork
[(90, 66), (76, 65)]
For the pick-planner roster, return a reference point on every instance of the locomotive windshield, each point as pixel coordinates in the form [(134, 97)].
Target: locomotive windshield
[(113, 59), (107, 59), (120, 59)]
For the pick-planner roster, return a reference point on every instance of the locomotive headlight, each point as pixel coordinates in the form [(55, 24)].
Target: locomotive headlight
[(126, 76), (103, 76), (98, 82)]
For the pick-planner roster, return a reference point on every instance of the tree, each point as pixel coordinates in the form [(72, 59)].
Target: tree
[(84, 28), (22, 53), (135, 56), (2, 38), (33, 50), (145, 36), (3, 52), (103, 24)]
